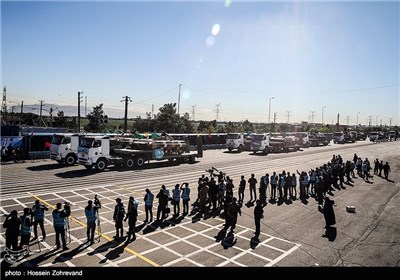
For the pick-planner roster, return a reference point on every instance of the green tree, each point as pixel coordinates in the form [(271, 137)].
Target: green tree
[(247, 126), (167, 119), (187, 124), (97, 119), (230, 127)]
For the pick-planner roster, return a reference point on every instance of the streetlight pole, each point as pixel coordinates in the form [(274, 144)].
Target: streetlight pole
[(323, 115), (179, 97), (269, 110)]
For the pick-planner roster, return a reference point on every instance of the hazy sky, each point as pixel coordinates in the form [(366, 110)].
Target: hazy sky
[(231, 57)]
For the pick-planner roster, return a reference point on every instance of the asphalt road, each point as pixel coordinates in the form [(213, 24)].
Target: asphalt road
[(293, 232)]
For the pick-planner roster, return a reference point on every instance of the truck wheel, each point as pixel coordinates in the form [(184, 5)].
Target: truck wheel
[(192, 160), (139, 161), (129, 163), (240, 149), (70, 159), (101, 165), (266, 151)]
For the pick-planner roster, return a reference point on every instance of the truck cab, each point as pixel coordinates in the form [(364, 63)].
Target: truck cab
[(64, 147), (338, 137), (94, 151), (260, 142), (235, 141)]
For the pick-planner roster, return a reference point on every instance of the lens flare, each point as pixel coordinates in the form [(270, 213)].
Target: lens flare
[(215, 29), (228, 3), (186, 94), (210, 41)]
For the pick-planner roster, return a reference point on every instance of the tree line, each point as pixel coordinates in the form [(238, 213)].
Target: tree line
[(166, 120)]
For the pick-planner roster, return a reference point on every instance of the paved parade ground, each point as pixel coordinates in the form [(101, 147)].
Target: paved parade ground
[(292, 231)]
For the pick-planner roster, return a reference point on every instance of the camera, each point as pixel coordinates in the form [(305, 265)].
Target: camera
[(97, 201), (67, 205)]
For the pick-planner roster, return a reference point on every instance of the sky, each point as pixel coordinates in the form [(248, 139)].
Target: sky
[(224, 60)]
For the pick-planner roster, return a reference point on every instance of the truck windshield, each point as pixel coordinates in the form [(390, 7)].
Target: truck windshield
[(258, 137), (57, 139), (232, 136), (86, 142)]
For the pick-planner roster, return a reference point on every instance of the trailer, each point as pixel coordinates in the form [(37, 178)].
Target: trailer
[(279, 143), (317, 138), (101, 152)]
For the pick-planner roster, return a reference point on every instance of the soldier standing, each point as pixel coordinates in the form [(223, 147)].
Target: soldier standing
[(185, 197), (119, 213), (25, 227), (231, 216), (242, 187), (12, 225), (258, 215), (386, 170), (148, 205), (252, 184), (132, 219)]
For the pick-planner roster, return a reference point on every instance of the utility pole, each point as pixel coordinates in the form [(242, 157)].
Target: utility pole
[(179, 97), (51, 116), (127, 98), (85, 105), (370, 120), (312, 116), (357, 118), (390, 122), (322, 120), (4, 103), (376, 120), (275, 117), (41, 107), (193, 112), (269, 110), (347, 120), (79, 110), (152, 111), (22, 107)]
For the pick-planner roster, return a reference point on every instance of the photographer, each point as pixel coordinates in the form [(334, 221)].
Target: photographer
[(38, 215), (91, 216), (12, 225), (25, 227), (59, 223)]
